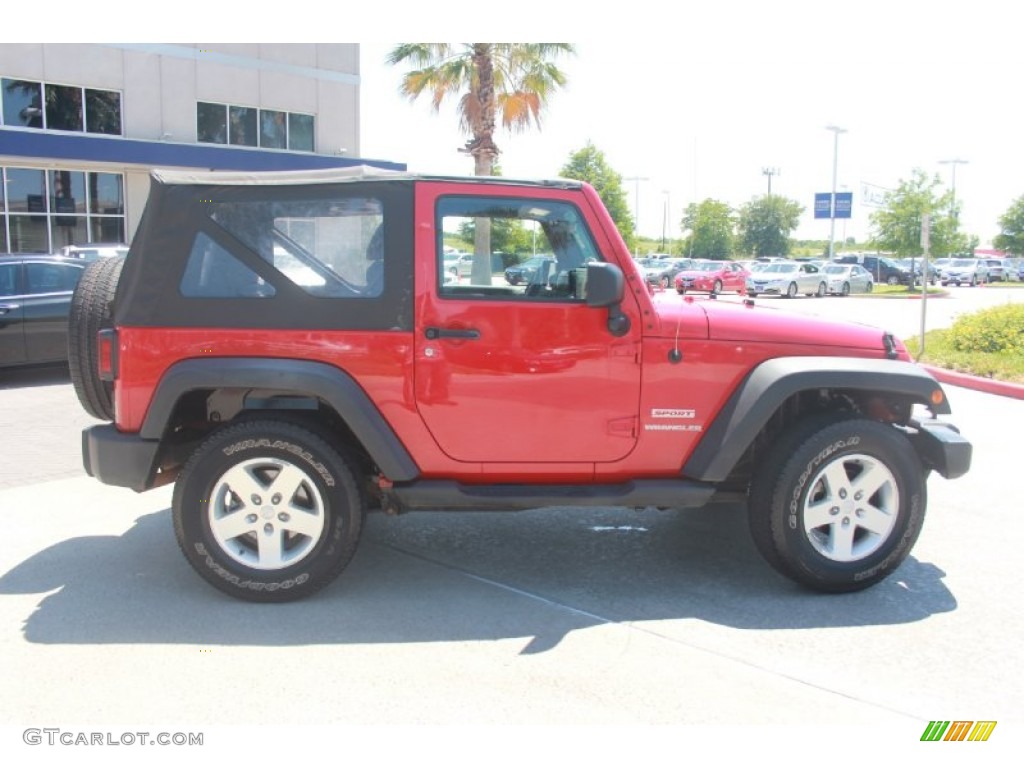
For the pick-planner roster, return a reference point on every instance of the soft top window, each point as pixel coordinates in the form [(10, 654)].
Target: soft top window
[(330, 247)]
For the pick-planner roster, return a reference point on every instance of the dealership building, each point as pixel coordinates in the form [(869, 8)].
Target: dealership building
[(82, 126)]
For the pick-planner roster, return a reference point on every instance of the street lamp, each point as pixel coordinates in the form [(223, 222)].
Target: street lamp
[(636, 212), (666, 205), (952, 206), (836, 130), (769, 172)]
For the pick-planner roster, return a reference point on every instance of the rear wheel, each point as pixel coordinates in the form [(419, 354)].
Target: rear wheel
[(267, 511), (839, 504), (89, 314)]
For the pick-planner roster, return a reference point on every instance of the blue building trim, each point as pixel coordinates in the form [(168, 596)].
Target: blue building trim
[(40, 145)]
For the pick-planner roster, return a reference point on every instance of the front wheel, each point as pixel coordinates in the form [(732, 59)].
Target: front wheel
[(821, 290), (267, 511), (846, 289), (717, 287), (839, 505), (791, 291)]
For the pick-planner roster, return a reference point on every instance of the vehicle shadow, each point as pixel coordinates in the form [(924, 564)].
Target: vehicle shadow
[(444, 577), (38, 376)]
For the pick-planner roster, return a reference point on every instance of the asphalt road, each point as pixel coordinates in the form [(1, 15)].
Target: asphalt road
[(601, 618)]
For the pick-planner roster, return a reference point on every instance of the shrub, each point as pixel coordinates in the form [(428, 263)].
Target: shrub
[(997, 329)]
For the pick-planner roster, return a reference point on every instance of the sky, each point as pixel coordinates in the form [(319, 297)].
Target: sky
[(689, 100), (698, 101)]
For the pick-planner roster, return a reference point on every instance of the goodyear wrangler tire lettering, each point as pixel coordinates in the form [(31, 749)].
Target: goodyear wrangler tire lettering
[(839, 505), (267, 511)]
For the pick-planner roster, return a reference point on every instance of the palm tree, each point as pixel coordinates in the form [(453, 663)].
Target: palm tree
[(510, 80)]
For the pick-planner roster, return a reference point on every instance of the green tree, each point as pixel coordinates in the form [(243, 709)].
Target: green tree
[(896, 226), (589, 165), (1011, 229), (506, 81), (712, 225), (765, 224)]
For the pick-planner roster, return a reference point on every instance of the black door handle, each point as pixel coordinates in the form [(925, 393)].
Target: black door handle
[(451, 333)]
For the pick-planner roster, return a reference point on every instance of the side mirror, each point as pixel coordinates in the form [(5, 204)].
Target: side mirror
[(606, 287)]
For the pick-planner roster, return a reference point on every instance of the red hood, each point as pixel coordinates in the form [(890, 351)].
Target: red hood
[(728, 321)]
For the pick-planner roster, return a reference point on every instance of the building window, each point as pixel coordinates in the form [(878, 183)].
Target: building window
[(252, 127), (67, 107), (42, 211)]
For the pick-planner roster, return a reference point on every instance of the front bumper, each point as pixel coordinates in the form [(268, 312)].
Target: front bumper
[(116, 458)]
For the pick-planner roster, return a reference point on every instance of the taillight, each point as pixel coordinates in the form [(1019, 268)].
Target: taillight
[(107, 356)]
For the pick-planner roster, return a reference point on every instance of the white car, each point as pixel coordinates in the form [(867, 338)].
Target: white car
[(458, 263), (787, 278), (965, 271), (844, 279)]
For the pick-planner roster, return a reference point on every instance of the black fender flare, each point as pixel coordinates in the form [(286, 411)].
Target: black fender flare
[(302, 377), (774, 381)]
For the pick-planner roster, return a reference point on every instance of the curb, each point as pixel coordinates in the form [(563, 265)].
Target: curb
[(980, 383)]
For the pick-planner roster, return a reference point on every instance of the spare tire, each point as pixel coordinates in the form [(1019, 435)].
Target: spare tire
[(90, 313)]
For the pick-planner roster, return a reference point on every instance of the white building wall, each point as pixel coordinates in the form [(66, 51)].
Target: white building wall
[(161, 83)]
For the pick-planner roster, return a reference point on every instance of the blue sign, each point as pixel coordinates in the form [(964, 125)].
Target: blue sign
[(844, 205), (823, 205)]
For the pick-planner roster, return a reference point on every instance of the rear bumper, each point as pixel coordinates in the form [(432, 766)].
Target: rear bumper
[(116, 458), (942, 448)]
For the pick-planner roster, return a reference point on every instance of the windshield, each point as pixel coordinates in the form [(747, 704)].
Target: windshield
[(835, 269), (962, 263), (780, 268)]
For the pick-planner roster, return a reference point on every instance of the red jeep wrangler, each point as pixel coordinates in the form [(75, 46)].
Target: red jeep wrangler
[(286, 348)]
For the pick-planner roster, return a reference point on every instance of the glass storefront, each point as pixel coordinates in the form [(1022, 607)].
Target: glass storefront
[(46, 210)]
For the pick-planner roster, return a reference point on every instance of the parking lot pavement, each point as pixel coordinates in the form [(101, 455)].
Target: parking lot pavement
[(547, 617), (41, 422)]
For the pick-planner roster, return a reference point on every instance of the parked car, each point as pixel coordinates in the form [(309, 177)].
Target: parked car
[(92, 251), (530, 271), (458, 263), (35, 299), (965, 271), (712, 277), (996, 270), (882, 268), (844, 279), (915, 266), (787, 278), (662, 272)]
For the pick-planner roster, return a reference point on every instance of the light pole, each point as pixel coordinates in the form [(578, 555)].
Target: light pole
[(952, 206), (636, 212), (836, 130), (769, 172), (666, 205)]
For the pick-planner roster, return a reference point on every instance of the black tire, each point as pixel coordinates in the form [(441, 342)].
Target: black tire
[(233, 473), (752, 294), (822, 289), (791, 291), (892, 280), (89, 314), (680, 291), (717, 287), (796, 481), (846, 289)]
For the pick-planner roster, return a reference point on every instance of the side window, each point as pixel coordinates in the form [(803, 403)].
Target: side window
[(213, 273), (51, 278), (8, 279), (333, 247), (512, 248)]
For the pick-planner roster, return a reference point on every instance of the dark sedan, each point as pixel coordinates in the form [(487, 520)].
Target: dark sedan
[(35, 298)]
